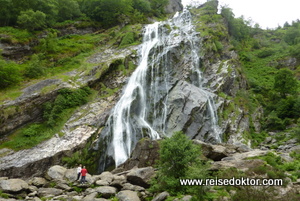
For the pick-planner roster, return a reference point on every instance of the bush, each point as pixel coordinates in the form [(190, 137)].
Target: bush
[(66, 99), (9, 74), (179, 159), (35, 68), (265, 53), (32, 20)]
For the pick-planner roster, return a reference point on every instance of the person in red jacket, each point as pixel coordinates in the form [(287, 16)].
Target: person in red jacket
[(83, 175)]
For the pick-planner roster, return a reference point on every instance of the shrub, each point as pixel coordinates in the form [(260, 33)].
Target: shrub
[(9, 74), (179, 159), (66, 99), (265, 53), (35, 68), (32, 20)]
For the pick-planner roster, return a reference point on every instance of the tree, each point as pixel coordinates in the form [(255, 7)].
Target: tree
[(108, 12), (68, 9), (179, 159), (32, 20), (285, 82), (5, 12)]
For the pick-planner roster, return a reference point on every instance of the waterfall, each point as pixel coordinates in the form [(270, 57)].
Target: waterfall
[(142, 108)]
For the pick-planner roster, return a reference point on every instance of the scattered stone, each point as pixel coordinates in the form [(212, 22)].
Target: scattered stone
[(13, 185), (107, 176), (38, 181), (128, 196), (106, 191), (44, 192), (102, 183), (90, 197), (56, 172), (162, 196), (141, 176)]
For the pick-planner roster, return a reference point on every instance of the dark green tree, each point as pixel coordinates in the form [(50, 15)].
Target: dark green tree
[(68, 10), (285, 82), (6, 13)]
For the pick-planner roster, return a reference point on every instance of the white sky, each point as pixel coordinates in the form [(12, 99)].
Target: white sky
[(267, 13)]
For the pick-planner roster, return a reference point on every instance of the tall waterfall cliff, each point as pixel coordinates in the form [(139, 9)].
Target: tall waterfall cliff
[(165, 94)]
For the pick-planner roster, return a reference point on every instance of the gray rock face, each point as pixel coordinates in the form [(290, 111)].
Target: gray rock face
[(144, 154), (173, 6), (13, 185), (127, 196), (188, 111)]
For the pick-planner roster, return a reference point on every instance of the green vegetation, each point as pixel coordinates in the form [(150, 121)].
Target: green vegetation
[(179, 159), (55, 116), (37, 14)]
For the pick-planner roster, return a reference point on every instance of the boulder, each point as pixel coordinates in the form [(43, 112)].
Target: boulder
[(45, 192), (214, 152), (106, 191), (128, 186), (118, 181), (56, 172), (162, 196), (13, 185), (141, 176), (71, 174), (128, 196), (107, 176), (102, 183), (90, 197), (38, 181)]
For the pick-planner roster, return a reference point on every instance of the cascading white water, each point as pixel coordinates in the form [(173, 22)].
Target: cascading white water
[(142, 109)]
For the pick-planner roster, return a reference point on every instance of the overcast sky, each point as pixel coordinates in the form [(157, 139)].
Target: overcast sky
[(267, 13)]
